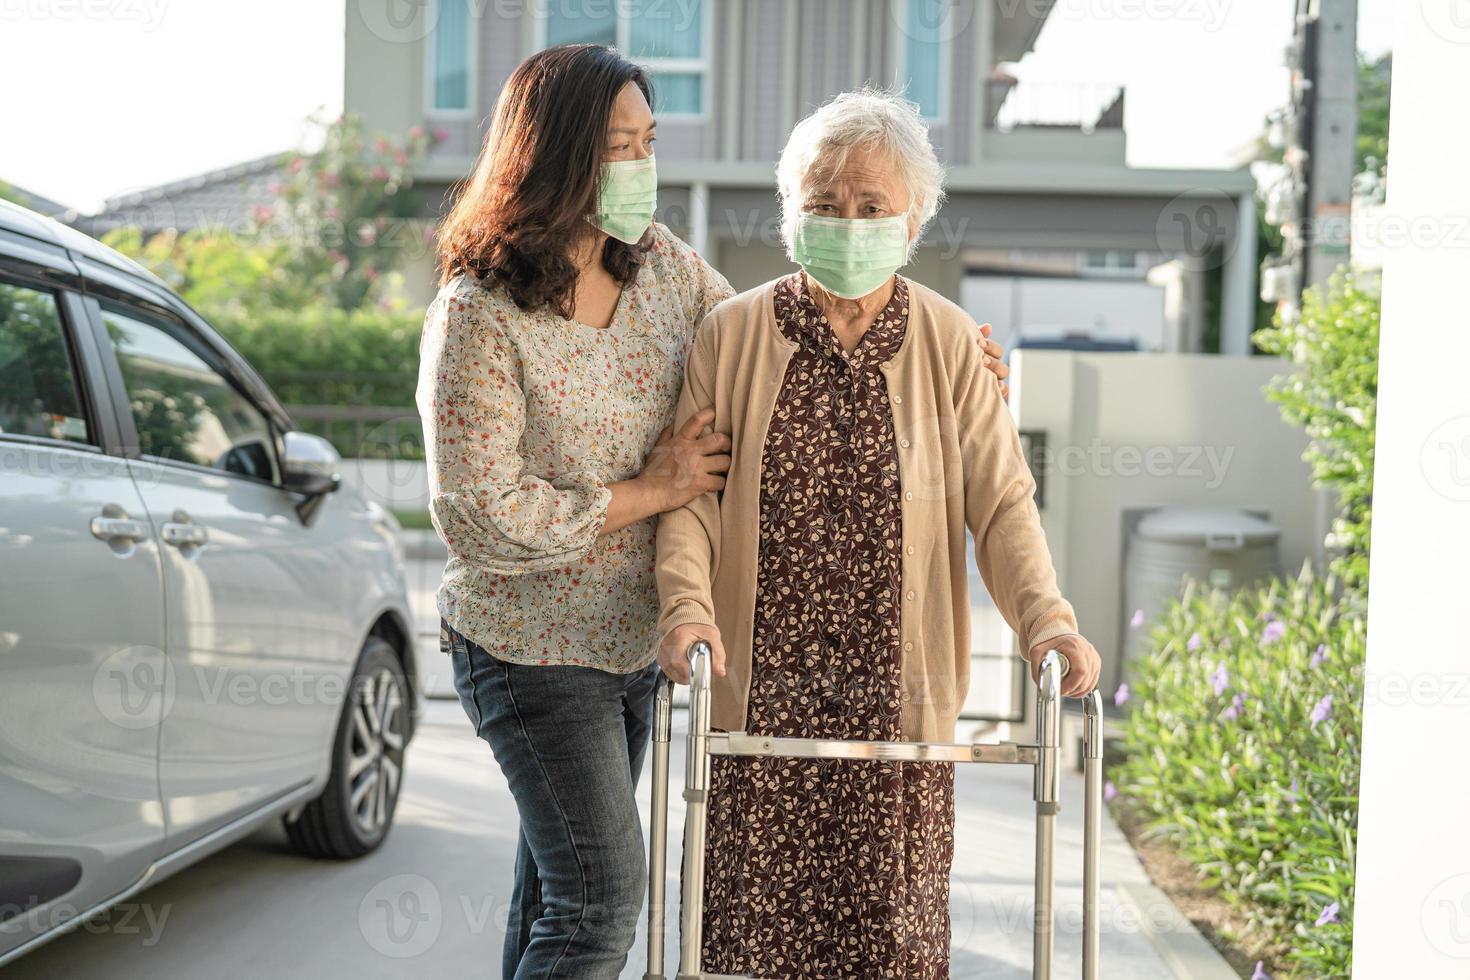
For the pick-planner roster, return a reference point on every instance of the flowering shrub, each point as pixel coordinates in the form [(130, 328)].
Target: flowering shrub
[(1333, 395), (1242, 749)]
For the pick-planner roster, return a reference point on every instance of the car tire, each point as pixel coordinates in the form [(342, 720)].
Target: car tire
[(355, 811)]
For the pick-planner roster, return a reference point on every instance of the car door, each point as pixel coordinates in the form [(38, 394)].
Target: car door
[(256, 638), (83, 672)]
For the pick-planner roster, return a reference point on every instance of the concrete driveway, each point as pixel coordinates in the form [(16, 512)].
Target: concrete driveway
[(431, 902)]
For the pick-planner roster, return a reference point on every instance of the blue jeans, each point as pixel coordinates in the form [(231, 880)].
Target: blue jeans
[(571, 742)]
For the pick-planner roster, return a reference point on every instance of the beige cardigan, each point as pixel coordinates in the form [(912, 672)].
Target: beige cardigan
[(960, 465)]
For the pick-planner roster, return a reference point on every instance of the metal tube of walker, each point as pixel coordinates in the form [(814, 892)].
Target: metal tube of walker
[(658, 826), (1048, 735), (696, 799), (1092, 755)]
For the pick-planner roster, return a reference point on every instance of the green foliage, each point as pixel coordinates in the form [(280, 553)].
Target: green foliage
[(1374, 82), (218, 273), (1225, 759), (325, 356), (345, 212), (1334, 396)]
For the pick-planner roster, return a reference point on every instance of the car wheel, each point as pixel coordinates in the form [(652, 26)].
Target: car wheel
[(354, 812)]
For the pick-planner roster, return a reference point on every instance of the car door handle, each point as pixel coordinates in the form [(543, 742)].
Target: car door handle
[(183, 535), (118, 529)]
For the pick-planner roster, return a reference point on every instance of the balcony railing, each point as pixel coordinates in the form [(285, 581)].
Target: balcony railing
[(1085, 107)]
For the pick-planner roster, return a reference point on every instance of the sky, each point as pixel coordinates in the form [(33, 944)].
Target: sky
[(104, 97)]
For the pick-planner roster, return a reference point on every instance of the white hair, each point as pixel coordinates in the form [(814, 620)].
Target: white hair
[(869, 119)]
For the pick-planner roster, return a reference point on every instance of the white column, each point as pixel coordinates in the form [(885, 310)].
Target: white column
[(1238, 282), (1412, 912), (699, 217)]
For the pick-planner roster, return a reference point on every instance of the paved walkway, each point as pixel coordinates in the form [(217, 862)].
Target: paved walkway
[(431, 902)]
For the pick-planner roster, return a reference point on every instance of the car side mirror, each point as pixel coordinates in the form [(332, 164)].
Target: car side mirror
[(310, 467)]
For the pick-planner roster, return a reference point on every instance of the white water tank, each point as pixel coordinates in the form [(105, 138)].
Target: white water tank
[(1220, 547)]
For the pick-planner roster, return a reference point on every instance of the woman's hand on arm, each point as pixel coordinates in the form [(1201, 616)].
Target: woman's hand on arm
[(682, 465), (994, 358), (673, 652)]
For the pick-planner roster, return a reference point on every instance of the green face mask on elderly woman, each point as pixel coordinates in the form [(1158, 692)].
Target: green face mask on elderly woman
[(850, 257)]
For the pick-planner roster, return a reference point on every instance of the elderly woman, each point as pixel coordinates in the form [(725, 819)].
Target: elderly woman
[(829, 577)]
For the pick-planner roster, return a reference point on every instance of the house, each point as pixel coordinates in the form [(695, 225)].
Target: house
[(1038, 173), (222, 199)]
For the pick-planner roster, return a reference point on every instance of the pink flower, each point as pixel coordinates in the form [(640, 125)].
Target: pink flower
[(1110, 792), (1319, 655), (330, 179), (274, 187), (1220, 679), (416, 132), (440, 134), (1329, 914), (1137, 619), (1194, 643), (1260, 972), (380, 172), (261, 214), (1121, 695), (296, 165), (1274, 631), (382, 145)]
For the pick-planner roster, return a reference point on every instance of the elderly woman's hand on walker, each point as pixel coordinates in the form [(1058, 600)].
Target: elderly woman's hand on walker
[(1086, 663), (673, 652)]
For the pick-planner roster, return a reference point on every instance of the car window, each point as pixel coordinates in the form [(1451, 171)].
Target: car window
[(38, 391), (183, 408)]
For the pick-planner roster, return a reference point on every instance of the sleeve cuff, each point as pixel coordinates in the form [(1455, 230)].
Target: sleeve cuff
[(684, 613)]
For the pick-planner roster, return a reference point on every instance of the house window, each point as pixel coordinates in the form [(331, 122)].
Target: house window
[(1111, 263), (670, 39), (451, 44), (923, 53)]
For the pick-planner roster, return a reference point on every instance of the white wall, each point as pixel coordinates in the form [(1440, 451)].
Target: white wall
[(1129, 431), (1113, 309)]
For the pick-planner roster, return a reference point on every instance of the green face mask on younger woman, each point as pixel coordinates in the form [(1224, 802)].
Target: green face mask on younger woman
[(850, 257), (629, 193)]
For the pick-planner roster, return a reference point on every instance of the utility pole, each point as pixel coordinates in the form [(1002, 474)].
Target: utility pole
[(1318, 134)]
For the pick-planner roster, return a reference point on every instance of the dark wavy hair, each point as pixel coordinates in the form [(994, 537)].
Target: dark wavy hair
[(518, 216)]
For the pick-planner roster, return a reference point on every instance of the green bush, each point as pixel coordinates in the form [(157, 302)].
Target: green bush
[(322, 355), (1333, 394), (1242, 750)]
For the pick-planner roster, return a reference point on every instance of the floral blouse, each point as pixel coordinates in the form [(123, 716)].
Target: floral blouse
[(527, 418)]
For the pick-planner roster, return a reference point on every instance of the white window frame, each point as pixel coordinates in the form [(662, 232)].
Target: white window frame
[(470, 110), (900, 41), (701, 66)]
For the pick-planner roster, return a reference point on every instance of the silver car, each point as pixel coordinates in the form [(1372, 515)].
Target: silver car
[(201, 628)]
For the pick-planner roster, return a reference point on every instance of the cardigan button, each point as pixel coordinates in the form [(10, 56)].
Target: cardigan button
[(908, 646), (898, 399), (909, 550), (908, 495), (904, 443), (909, 595), (907, 697)]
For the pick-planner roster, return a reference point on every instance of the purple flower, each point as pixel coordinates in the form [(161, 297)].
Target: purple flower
[(1137, 619), (1194, 643), (1274, 631), (1236, 704), (1221, 679), (1319, 655), (1260, 973), (1121, 695), (1293, 794), (1323, 710), (1329, 914), (1109, 791)]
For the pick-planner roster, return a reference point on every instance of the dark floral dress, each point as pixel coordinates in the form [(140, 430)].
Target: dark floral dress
[(822, 868)]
